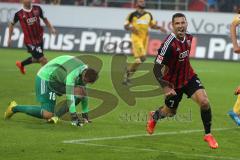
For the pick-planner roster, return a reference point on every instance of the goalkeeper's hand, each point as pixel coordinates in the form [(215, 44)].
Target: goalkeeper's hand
[(75, 121)]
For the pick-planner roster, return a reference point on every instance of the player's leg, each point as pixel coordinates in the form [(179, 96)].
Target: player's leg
[(38, 55), (168, 110), (85, 109), (34, 111), (139, 53), (45, 96), (29, 60), (22, 64), (235, 113), (196, 91), (43, 60)]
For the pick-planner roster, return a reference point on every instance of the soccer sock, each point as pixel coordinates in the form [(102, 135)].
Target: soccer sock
[(158, 114), (27, 61), (206, 116), (35, 111), (236, 108), (132, 69), (84, 103)]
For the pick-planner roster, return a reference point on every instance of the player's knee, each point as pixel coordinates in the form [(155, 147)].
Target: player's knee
[(47, 115), (204, 103), (43, 60)]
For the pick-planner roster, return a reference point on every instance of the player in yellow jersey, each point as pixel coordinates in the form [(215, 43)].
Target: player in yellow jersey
[(139, 22), (235, 113)]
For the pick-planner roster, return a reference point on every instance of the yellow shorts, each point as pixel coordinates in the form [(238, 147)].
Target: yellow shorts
[(139, 46)]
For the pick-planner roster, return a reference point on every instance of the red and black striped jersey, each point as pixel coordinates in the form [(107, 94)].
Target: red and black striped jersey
[(30, 24), (174, 54)]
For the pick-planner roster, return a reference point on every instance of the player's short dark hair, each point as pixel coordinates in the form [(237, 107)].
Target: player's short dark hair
[(177, 15), (91, 75)]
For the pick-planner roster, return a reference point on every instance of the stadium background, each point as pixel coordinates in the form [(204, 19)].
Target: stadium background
[(95, 27)]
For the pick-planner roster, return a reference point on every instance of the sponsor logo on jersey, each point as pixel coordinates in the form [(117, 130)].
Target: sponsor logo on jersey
[(183, 55), (31, 20), (142, 21)]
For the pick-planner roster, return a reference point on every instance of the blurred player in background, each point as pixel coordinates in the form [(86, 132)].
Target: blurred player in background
[(138, 23), (62, 75), (176, 76), (29, 17), (235, 113)]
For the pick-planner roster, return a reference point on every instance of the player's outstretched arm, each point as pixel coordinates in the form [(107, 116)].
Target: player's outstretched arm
[(236, 47), (50, 27), (10, 32), (156, 27)]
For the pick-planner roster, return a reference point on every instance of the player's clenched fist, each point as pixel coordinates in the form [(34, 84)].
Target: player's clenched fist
[(169, 92)]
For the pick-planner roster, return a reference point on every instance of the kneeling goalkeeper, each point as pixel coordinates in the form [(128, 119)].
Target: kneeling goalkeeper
[(62, 75)]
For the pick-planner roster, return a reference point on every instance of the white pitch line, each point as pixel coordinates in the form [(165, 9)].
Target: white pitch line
[(141, 135), (117, 147), (128, 149)]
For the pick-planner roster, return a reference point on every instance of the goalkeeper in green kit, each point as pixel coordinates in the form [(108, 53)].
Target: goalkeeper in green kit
[(62, 75)]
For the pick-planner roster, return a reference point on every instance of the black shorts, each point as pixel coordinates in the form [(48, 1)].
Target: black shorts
[(35, 50), (189, 89)]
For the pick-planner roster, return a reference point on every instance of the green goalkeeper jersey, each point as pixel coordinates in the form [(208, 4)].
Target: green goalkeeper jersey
[(63, 74)]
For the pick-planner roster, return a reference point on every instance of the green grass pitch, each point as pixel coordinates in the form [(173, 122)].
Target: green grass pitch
[(24, 137)]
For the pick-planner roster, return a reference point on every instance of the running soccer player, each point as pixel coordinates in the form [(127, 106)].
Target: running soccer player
[(29, 17), (62, 75), (138, 23), (176, 76), (235, 112)]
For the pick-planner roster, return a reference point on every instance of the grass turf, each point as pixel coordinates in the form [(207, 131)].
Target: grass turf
[(30, 138)]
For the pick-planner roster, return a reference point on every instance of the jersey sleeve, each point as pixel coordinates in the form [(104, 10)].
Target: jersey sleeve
[(41, 14), (152, 22), (236, 20), (129, 19), (84, 103), (70, 86), (164, 54), (15, 19)]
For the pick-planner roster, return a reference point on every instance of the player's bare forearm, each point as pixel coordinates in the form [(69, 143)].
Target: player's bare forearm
[(49, 25), (10, 32), (162, 29), (130, 28), (236, 47), (159, 70), (127, 27)]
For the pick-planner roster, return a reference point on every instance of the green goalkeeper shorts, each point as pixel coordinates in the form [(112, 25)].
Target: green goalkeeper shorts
[(44, 95)]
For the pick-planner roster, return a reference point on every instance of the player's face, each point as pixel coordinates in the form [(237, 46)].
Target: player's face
[(27, 3), (85, 79), (141, 4), (180, 27)]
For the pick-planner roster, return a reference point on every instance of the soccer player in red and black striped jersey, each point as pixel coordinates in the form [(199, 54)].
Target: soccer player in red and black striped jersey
[(29, 17), (176, 76)]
